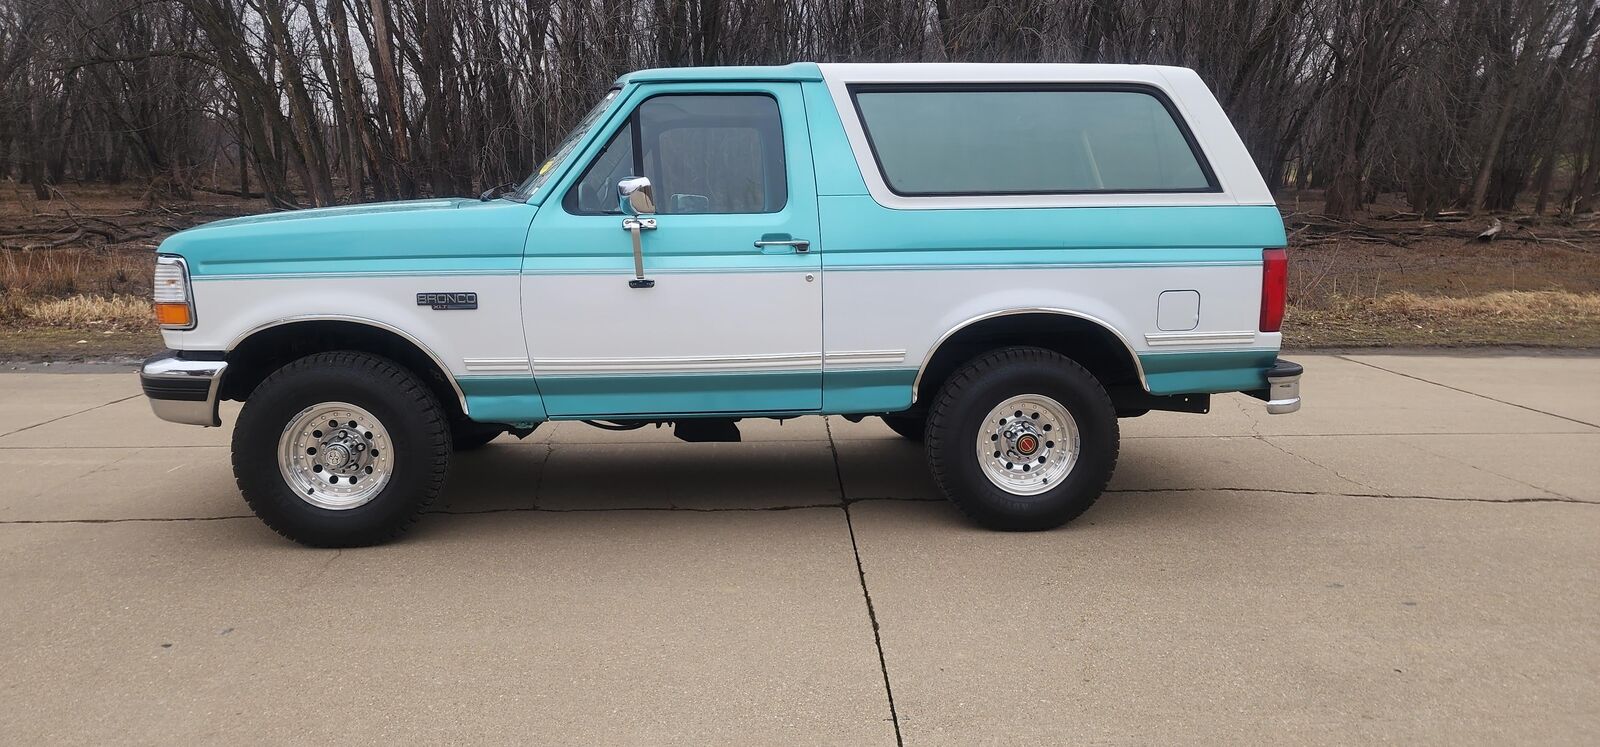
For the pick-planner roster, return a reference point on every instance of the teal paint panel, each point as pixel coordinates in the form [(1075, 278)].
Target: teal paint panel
[(839, 175), (1207, 372), (650, 395), (858, 232), (562, 243), (886, 390), (503, 399), (419, 236)]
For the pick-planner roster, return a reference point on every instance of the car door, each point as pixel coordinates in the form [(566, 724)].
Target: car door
[(732, 322)]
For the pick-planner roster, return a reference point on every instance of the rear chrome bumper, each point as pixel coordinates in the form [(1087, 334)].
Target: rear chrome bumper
[(182, 390), (1282, 394)]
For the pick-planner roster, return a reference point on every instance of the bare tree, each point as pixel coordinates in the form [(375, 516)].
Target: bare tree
[(1453, 103)]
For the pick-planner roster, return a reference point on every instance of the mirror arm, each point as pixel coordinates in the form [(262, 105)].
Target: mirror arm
[(633, 226)]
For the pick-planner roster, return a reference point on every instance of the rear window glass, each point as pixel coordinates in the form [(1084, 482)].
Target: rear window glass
[(1056, 141)]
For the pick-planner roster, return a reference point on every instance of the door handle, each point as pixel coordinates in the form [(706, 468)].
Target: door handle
[(800, 246)]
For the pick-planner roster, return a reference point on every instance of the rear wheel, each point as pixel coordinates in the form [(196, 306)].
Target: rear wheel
[(909, 427), (1022, 439), (341, 449)]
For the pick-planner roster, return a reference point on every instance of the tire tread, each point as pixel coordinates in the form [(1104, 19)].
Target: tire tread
[(385, 375), (969, 375)]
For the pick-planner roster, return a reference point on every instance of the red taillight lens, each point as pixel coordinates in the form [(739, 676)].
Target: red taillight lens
[(1274, 288)]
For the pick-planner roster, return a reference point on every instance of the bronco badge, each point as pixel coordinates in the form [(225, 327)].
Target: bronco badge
[(448, 301)]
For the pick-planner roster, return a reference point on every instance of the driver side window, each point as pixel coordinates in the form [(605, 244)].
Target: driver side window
[(703, 153)]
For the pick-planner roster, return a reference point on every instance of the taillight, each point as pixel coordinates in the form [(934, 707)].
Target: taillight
[(1274, 288), (173, 304)]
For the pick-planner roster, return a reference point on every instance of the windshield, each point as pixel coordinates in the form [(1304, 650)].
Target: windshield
[(542, 175)]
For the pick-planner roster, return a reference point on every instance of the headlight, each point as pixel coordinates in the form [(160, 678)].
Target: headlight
[(174, 302)]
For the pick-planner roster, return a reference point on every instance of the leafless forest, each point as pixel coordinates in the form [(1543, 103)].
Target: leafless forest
[(1459, 105)]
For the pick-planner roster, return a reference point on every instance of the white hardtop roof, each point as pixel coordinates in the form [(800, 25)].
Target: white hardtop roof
[(963, 72)]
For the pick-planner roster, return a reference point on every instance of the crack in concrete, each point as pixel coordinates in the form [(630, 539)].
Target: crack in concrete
[(1486, 470), (866, 594), (1391, 496), (1314, 463), (1468, 391), (321, 571), (69, 415), (1255, 433)]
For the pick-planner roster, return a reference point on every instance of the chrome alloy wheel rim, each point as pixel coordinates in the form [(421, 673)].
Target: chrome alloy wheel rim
[(1027, 444), (335, 455)]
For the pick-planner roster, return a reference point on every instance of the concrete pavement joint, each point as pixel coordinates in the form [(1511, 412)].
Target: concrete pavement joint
[(127, 521), (602, 509), (866, 594), (111, 446), (1390, 496), (1468, 391), (73, 414), (845, 505)]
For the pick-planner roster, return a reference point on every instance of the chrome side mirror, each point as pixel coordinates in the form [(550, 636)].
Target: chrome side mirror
[(636, 196)]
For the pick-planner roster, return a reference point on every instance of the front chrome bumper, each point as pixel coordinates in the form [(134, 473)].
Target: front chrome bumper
[(181, 390), (1283, 388)]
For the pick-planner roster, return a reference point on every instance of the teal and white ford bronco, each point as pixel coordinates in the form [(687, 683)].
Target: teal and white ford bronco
[(997, 260)]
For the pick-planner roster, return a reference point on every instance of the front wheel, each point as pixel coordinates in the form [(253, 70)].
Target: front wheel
[(341, 449), (1022, 439)]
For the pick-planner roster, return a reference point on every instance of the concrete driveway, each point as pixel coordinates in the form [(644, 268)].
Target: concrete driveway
[(1413, 557)]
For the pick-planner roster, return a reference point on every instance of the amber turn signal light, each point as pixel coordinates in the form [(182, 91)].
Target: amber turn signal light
[(173, 315)]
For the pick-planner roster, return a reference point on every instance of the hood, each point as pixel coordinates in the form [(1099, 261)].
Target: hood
[(421, 236), (338, 211)]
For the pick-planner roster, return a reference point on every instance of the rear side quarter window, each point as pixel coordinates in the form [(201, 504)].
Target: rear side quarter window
[(933, 141)]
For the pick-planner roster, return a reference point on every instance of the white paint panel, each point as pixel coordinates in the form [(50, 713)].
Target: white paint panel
[(228, 310), (925, 305), (687, 322)]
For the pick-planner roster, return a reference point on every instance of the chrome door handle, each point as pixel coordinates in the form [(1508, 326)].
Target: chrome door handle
[(801, 246)]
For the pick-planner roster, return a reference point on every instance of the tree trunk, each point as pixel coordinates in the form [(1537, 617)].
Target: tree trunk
[(390, 95)]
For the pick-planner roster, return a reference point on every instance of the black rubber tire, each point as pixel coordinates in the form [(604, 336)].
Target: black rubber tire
[(467, 435), (968, 396), (419, 437), (910, 427)]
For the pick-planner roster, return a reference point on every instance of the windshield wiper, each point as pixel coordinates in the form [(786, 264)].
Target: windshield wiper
[(494, 192)]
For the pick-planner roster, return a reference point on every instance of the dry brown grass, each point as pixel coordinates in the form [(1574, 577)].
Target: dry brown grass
[(115, 312), (1509, 305), (1550, 318), (65, 272)]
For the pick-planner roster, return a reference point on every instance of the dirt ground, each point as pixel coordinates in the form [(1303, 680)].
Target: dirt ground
[(73, 270)]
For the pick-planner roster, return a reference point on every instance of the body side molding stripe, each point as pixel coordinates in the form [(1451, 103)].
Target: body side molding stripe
[(1164, 339), (486, 365), (719, 363), (863, 357)]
